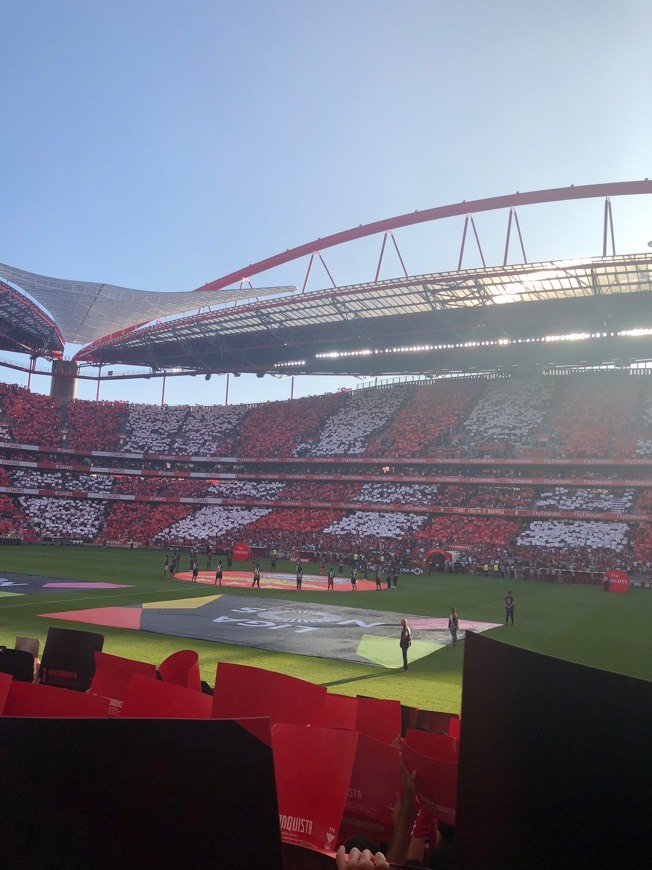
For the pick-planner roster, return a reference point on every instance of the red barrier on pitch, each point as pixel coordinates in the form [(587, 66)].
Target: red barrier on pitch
[(244, 692), (313, 773), (182, 669), (154, 699), (379, 718), (436, 783), (112, 675), (48, 702), (616, 580)]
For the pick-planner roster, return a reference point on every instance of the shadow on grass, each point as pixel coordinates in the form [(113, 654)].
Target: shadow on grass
[(386, 672)]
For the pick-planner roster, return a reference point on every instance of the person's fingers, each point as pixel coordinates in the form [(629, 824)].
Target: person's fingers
[(381, 862), (340, 858), (366, 861)]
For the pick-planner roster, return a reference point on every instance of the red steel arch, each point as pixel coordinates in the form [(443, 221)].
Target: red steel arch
[(556, 194)]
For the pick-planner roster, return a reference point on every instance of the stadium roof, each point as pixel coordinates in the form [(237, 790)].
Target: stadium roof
[(387, 326), (86, 310), (24, 328)]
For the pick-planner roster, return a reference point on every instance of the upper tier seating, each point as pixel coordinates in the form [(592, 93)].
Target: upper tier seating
[(363, 414), (509, 411), (209, 430), (95, 425), (152, 429), (596, 415), (281, 428), (264, 490), (377, 524), (428, 420), (31, 417)]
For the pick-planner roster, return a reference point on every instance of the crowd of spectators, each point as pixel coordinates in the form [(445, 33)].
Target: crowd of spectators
[(78, 519), (152, 429), (31, 417), (578, 499), (428, 420), (208, 429), (212, 521), (95, 425), (509, 411), (285, 428), (349, 429), (594, 417), (575, 533)]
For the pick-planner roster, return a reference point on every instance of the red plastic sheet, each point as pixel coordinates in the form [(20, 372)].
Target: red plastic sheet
[(379, 718), (35, 700), (433, 745), (182, 669), (313, 773), (436, 783), (339, 711), (242, 692), (375, 781), (154, 699), (112, 675), (5, 686)]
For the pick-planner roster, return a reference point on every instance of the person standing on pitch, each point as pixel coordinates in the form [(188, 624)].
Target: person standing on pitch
[(299, 576), (510, 606), (453, 624), (354, 579), (405, 642), (331, 579), (256, 576), (218, 574)]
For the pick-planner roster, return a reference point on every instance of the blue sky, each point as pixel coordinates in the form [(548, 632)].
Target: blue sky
[(158, 144)]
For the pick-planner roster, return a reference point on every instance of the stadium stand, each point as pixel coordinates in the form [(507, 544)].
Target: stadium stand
[(510, 411), (211, 522), (151, 429), (363, 414), (285, 428), (428, 420), (95, 425), (31, 417), (564, 498), (207, 429)]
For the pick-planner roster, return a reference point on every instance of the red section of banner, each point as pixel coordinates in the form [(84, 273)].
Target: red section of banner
[(154, 699), (375, 781), (114, 617), (48, 702), (241, 552), (182, 669), (379, 718), (616, 580), (313, 773), (436, 783), (112, 675), (242, 692)]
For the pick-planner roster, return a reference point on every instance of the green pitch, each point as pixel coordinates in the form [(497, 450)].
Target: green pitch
[(578, 623)]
